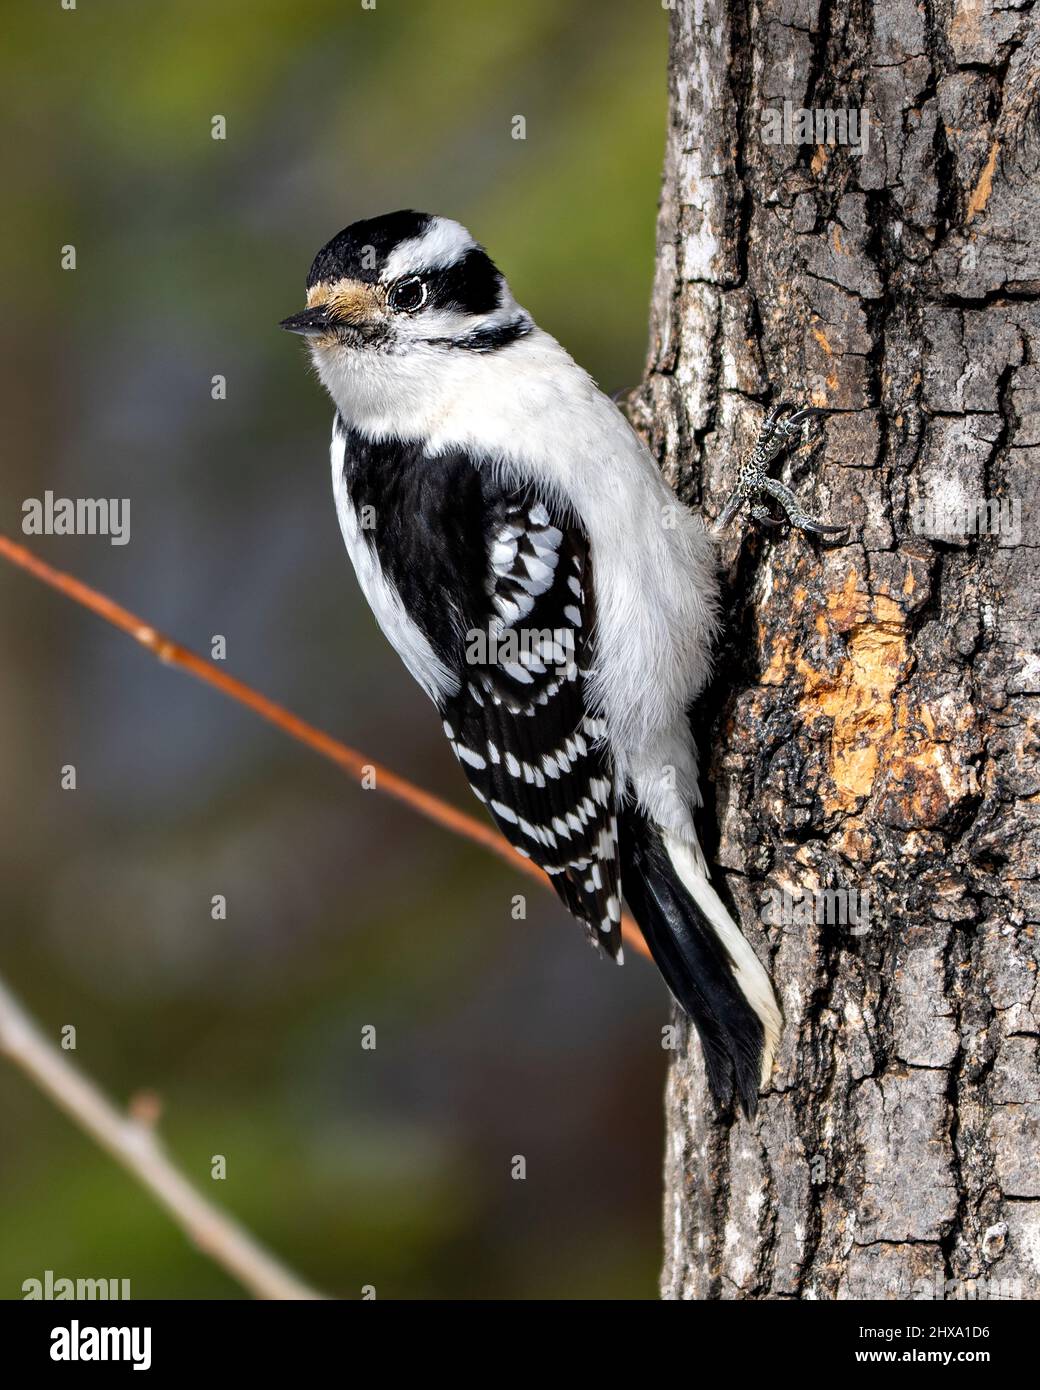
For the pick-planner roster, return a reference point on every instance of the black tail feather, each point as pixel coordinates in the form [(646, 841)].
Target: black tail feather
[(694, 963)]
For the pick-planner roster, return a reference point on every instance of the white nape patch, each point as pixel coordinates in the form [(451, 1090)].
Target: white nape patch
[(404, 635), (748, 970), (442, 244)]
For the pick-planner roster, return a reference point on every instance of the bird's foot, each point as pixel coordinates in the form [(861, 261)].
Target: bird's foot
[(779, 431)]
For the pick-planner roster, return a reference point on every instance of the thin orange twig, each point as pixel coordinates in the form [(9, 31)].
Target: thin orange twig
[(352, 762)]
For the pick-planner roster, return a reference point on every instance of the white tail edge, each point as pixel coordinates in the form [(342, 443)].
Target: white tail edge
[(748, 971)]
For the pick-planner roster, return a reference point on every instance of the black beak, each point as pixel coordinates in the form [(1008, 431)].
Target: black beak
[(310, 323)]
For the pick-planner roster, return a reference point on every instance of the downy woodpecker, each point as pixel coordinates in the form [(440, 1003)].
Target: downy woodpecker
[(521, 551)]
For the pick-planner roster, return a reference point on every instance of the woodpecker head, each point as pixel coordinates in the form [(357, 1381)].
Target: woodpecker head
[(402, 283)]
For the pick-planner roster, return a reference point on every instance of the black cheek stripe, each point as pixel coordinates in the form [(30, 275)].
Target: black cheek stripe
[(472, 285)]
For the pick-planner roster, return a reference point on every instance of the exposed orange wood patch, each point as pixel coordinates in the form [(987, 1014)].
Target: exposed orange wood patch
[(821, 338), (981, 192), (881, 740)]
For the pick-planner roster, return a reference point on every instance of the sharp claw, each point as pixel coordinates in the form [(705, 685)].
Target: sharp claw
[(810, 412), (821, 530), (775, 420)]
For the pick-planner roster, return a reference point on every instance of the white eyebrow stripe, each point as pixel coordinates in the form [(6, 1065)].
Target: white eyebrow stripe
[(442, 244)]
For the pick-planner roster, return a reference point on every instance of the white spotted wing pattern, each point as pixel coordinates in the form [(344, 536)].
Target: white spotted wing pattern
[(521, 726)]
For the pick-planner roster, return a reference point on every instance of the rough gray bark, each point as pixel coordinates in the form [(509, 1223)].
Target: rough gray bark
[(873, 728)]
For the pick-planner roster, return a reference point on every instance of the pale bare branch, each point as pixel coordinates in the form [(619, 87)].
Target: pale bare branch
[(137, 1147)]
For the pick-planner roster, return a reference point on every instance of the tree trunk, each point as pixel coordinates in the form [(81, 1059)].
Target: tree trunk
[(873, 726)]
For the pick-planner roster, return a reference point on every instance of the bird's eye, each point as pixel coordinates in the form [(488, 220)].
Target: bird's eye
[(408, 294)]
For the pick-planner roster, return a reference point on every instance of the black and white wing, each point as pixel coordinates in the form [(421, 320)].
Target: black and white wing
[(485, 590), (520, 723)]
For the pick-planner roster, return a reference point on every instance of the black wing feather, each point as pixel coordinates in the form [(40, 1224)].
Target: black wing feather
[(521, 725)]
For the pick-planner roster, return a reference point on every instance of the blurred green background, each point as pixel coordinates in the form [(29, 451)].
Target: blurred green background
[(495, 1037)]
